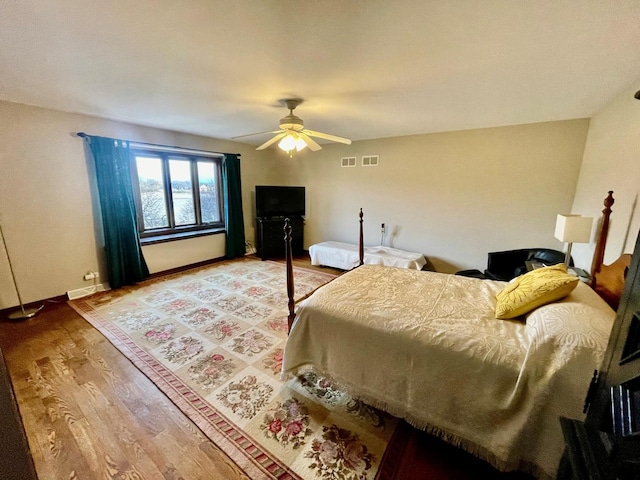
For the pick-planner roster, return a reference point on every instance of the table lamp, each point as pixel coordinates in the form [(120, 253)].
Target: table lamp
[(572, 229)]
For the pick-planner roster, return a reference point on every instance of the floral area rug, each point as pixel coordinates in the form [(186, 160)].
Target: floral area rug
[(212, 340)]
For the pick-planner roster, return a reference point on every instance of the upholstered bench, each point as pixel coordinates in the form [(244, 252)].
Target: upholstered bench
[(346, 256)]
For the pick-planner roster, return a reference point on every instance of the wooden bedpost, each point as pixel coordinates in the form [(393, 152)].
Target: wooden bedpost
[(608, 280), (361, 241), (289, 262), (289, 259), (601, 241)]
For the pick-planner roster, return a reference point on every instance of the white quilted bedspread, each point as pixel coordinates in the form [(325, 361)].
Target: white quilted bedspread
[(426, 346)]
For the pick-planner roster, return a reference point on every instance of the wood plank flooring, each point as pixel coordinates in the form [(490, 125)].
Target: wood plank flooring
[(90, 414)]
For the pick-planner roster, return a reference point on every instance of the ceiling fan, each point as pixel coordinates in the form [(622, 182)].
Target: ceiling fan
[(292, 135)]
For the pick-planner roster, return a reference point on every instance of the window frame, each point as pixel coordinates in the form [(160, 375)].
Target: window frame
[(173, 231)]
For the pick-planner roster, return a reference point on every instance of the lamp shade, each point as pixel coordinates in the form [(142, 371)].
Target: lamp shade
[(573, 228)]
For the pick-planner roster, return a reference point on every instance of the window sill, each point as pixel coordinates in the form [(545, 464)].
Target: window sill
[(172, 237)]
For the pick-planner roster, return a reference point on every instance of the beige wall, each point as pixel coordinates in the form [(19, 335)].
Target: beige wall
[(47, 196), (612, 162), (452, 196)]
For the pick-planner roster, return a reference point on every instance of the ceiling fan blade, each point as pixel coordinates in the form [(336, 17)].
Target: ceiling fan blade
[(309, 142), (258, 133), (326, 136), (272, 141)]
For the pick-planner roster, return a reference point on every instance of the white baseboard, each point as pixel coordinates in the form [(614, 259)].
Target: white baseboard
[(83, 292)]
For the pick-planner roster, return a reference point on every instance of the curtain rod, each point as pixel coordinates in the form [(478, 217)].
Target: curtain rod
[(167, 147)]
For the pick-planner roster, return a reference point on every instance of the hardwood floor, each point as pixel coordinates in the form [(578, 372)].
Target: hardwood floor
[(90, 414)]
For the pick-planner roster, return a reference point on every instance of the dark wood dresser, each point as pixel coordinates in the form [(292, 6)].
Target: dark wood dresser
[(270, 237)]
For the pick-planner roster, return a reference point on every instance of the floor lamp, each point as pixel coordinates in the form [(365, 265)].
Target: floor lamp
[(23, 313)]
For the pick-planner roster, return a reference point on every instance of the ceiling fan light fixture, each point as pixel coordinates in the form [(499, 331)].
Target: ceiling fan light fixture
[(291, 142), (292, 134), (300, 144)]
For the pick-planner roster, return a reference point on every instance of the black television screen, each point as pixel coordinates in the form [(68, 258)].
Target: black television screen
[(274, 201)]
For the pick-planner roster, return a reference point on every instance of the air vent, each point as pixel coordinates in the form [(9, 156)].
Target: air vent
[(370, 161), (348, 161)]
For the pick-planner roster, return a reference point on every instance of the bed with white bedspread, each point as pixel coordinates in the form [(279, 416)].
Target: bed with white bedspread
[(447, 365)]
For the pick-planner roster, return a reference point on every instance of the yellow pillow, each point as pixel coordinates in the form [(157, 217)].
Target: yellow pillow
[(534, 289)]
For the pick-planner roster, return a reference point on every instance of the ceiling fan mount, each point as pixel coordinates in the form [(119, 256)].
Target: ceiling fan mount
[(291, 121), (291, 103), (292, 134)]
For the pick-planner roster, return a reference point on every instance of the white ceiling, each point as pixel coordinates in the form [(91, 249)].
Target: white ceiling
[(366, 68)]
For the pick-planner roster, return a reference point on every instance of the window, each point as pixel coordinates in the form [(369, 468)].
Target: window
[(178, 194)]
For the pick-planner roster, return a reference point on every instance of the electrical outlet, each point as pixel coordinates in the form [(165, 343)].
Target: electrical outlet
[(91, 275)]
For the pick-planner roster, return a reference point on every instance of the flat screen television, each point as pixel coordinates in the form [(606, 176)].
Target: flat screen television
[(276, 201)]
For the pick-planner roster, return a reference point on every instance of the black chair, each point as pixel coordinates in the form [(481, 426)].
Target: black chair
[(509, 264)]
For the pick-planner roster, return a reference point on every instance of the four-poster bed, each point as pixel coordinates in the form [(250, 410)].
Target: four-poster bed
[(447, 365)]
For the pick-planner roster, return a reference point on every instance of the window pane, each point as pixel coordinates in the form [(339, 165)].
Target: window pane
[(154, 205), (182, 192), (208, 192)]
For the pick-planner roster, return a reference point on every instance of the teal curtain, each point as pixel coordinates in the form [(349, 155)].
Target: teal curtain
[(233, 217), (125, 262)]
